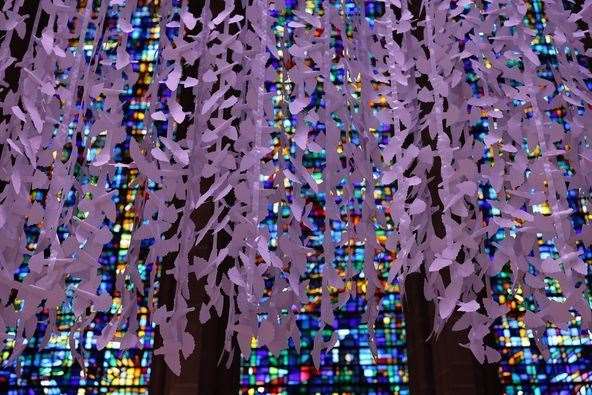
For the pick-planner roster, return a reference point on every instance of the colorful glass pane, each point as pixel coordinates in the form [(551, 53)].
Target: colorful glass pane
[(53, 370), (523, 369), (349, 367)]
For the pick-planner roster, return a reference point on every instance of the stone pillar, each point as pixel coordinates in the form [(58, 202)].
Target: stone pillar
[(202, 373), (441, 366)]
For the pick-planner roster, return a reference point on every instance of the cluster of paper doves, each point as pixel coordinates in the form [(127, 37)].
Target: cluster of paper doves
[(413, 59)]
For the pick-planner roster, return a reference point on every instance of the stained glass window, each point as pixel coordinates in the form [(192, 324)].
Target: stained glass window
[(349, 367), (53, 370), (523, 369)]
